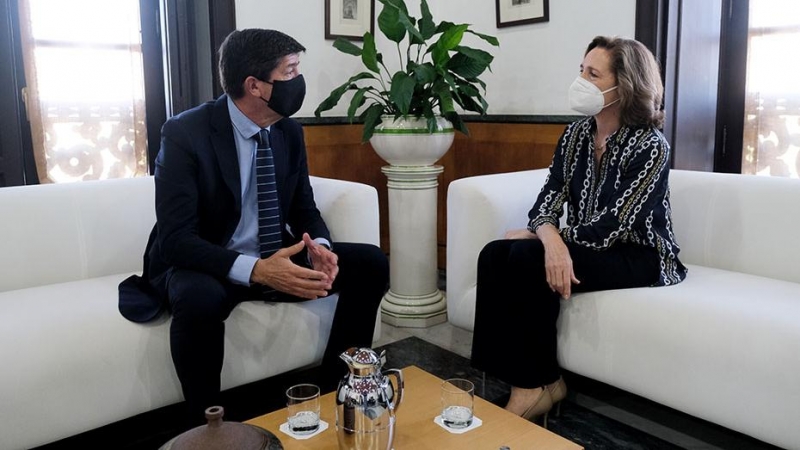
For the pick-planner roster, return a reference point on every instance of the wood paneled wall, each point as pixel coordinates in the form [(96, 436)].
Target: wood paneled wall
[(336, 151)]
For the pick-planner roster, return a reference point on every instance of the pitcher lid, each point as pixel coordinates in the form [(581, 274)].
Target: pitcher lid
[(364, 359)]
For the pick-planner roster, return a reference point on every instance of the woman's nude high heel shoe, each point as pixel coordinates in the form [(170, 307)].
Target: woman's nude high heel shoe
[(540, 406), (558, 391)]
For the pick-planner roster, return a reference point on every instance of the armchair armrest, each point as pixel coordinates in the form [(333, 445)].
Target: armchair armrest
[(350, 209), (479, 210), (351, 212)]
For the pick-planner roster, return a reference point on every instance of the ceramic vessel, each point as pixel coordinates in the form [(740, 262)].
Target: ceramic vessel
[(407, 141), (219, 435)]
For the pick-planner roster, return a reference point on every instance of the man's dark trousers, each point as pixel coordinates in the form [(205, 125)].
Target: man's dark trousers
[(200, 303)]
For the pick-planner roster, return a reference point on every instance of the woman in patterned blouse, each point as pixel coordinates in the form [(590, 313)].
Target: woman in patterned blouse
[(611, 170)]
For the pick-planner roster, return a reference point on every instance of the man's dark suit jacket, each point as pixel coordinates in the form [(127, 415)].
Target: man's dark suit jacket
[(199, 201)]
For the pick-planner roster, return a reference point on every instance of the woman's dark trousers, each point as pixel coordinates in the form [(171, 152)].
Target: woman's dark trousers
[(515, 312)]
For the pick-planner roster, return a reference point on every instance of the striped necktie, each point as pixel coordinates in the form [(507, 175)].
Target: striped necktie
[(269, 211)]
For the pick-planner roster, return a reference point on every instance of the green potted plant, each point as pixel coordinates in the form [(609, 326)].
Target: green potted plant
[(436, 73)]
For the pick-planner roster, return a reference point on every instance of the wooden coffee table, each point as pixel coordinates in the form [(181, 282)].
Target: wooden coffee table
[(415, 428)]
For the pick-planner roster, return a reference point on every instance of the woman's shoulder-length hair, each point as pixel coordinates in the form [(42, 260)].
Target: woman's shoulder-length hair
[(639, 84)]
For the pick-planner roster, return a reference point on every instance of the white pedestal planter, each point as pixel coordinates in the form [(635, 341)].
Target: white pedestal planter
[(414, 299)]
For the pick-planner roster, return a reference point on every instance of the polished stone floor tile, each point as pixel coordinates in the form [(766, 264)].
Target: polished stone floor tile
[(444, 335)]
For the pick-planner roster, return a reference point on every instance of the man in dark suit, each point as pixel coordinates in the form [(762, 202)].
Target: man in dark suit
[(208, 251)]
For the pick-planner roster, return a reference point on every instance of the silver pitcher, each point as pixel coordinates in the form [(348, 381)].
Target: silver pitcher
[(366, 402)]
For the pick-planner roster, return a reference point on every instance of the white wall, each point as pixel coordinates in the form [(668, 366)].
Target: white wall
[(533, 66)]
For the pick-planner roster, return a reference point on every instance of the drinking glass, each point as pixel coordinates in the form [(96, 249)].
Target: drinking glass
[(302, 401), (458, 396)]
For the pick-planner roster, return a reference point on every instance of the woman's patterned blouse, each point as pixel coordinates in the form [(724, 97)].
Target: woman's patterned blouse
[(625, 199)]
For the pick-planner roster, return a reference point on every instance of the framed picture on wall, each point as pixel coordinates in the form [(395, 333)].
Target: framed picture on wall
[(520, 12), (349, 18)]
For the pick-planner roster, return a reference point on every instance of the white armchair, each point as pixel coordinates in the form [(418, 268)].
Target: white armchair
[(700, 346)]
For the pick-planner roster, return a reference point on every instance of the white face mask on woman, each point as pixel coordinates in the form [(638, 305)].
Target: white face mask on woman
[(586, 98)]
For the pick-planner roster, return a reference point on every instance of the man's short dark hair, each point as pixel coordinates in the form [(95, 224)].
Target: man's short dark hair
[(252, 52)]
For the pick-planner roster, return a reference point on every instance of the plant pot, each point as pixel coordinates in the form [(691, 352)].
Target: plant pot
[(407, 142)]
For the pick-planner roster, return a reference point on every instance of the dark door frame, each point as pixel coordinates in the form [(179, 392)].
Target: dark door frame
[(180, 67), (732, 88), (16, 156), (222, 17), (155, 96), (657, 28)]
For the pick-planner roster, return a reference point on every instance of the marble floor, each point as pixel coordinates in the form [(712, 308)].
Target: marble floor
[(671, 426), (444, 335)]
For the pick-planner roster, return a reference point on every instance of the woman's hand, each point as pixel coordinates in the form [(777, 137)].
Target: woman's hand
[(557, 261), (523, 233)]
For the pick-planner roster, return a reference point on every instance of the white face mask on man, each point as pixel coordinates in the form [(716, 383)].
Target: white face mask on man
[(586, 98)]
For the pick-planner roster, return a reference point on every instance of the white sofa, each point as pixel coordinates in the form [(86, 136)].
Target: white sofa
[(723, 346), (71, 362)]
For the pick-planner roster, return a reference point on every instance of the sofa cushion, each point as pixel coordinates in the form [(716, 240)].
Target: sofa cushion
[(743, 223), (694, 346), (74, 355), (72, 231)]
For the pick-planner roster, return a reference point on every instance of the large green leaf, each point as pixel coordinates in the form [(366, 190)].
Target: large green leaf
[(444, 26), (442, 91), (402, 91), (427, 112), (336, 94), (484, 103), (398, 4), (411, 27), (427, 27), (370, 54), (422, 99), (389, 21), (469, 62), (439, 56), (357, 101), (448, 77), (458, 124), (425, 73), (467, 102), (467, 88), (478, 55), (490, 39), (432, 124), (451, 37), (345, 46), (371, 117), (330, 102), (479, 81), (465, 67)]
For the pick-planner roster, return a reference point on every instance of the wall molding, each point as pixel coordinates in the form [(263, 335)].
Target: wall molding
[(469, 118)]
